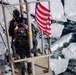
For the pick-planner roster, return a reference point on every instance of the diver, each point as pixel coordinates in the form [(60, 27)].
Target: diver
[(18, 31)]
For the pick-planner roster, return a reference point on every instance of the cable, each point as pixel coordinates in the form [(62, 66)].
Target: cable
[(11, 12)]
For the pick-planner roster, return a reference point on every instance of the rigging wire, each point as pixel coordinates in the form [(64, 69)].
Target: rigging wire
[(10, 11)]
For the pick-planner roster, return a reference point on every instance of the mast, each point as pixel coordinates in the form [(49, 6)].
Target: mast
[(49, 50)]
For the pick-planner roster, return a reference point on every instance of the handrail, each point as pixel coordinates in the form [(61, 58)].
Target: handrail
[(23, 3), (37, 1), (31, 59)]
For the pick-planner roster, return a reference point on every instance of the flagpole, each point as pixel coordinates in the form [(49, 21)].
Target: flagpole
[(49, 51), (42, 42), (49, 38)]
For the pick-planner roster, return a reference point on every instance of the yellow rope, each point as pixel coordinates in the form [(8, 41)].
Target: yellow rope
[(29, 33)]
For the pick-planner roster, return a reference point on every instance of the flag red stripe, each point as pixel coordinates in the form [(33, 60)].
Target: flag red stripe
[(48, 28)]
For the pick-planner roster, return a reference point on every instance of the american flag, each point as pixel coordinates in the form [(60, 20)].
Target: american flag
[(43, 18)]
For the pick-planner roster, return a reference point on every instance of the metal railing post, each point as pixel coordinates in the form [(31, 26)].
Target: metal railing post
[(29, 25), (33, 68), (7, 37), (12, 65), (49, 51), (42, 43)]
